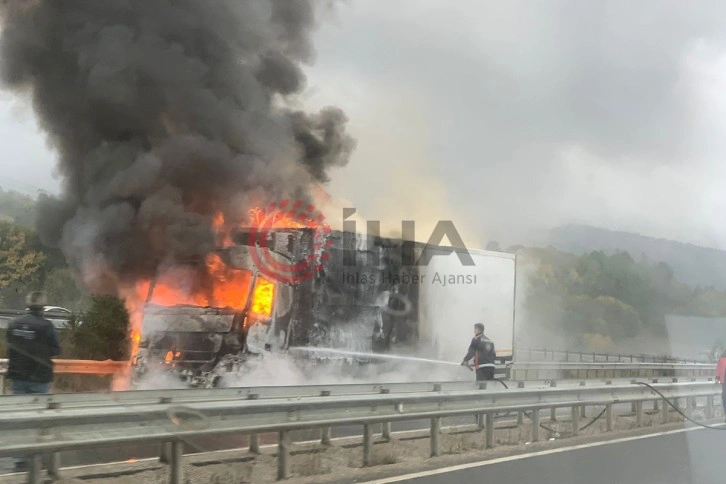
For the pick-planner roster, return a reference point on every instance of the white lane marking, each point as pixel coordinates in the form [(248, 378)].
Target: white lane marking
[(446, 470)]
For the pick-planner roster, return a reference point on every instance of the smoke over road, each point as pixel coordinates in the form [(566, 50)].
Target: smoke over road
[(164, 113)]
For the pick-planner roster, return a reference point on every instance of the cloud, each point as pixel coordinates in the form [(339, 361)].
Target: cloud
[(549, 112), (510, 115)]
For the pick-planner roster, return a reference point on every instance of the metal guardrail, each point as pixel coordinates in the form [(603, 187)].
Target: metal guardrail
[(543, 354), (76, 367), (550, 370), (34, 432), (201, 395), (520, 371), (81, 367)]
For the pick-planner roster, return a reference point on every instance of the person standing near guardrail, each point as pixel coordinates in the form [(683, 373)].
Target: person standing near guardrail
[(32, 342), (484, 354), (721, 378)]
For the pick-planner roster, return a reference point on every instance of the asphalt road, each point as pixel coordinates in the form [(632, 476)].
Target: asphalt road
[(696, 457)]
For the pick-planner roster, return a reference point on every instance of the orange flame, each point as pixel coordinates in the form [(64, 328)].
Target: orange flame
[(263, 297), (224, 233), (213, 284)]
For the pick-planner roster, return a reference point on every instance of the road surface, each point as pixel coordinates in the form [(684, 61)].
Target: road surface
[(690, 457)]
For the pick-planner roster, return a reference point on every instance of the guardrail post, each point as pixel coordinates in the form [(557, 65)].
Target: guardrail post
[(520, 417), (665, 412), (283, 455), (367, 445), (480, 421), (54, 465), (583, 413), (553, 414), (165, 455), (655, 405), (490, 430), (639, 413), (325, 436), (709, 406), (609, 417), (35, 469), (177, 462), (435, 436), (535, 425), (575, 421), (255, 443), (386, 430)]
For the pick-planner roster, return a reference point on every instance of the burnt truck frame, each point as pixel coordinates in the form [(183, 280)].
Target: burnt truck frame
[(366, 297)]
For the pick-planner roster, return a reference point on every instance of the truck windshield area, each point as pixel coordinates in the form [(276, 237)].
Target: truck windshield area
[(212, 283)]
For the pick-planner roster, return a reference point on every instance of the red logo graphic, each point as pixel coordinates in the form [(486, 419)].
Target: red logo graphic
[(292, 215)]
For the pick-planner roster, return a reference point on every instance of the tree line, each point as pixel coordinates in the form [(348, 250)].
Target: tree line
[(99, 330), (612, 296)]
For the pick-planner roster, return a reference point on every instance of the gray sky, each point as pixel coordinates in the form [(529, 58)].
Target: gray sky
[(507, 116)]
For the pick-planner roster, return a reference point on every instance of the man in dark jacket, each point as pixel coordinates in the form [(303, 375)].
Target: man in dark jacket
[(483, 352), (32, 342)]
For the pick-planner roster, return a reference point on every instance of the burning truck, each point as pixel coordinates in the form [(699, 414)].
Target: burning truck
[(368, 294)]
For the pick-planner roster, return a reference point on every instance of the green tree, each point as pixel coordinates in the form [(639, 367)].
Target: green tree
[(20, 260), (17, 208), (103, 331), (61, 289), (613, 296)]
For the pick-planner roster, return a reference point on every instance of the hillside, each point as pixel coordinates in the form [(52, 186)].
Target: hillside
[(17, 208), (691, 264)]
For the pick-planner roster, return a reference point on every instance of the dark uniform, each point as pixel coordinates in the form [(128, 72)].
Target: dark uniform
[(32, 342), (484, 354)]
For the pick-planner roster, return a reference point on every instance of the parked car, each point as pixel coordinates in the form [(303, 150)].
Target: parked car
[(53, 313)]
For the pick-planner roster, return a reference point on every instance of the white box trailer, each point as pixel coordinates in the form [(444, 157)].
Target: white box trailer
[(392, 296), (453, 297)]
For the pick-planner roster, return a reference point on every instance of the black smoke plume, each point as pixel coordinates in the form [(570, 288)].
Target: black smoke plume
[(164, 112)]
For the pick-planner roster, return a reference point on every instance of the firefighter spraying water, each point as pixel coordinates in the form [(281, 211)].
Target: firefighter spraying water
[(484, 354)]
